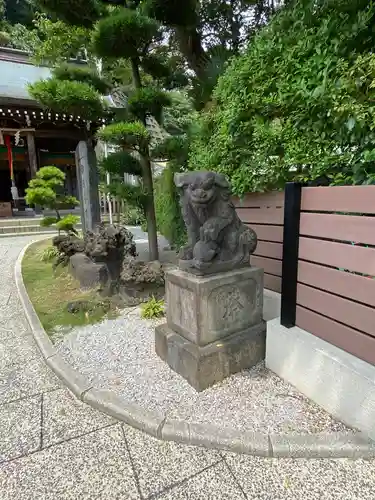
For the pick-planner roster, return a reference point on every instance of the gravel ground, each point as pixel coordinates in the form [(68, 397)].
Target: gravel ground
[(119, 355)]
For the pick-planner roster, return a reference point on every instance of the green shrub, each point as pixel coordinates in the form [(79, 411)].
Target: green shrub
[(167, 208), (73, 72), (65, 96), (124, 34), (125, 134), (148, 101), (153, 309), (298, 104), (49, 254), (68, 223), (121, 163), (133, 216)]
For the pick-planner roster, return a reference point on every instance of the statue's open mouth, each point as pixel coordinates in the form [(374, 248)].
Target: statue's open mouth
[(202, 200)]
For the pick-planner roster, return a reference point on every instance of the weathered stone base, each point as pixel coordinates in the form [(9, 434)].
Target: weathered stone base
[(88, 273), (206, 365)]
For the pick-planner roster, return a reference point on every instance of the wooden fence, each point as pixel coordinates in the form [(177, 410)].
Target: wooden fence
[(336, 267), (264, 212), (117, 207), (327, 275)]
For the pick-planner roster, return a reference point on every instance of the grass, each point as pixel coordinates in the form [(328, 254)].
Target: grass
[(51, 290)]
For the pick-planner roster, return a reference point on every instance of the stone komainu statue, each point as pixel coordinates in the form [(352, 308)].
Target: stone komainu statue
[(217, 239)]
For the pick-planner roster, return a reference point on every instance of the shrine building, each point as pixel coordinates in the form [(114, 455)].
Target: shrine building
[(30, 136)]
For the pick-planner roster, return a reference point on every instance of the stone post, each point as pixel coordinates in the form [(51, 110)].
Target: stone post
[(88, 187), (31, 149)]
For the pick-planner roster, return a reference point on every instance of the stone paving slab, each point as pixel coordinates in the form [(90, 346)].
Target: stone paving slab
[(215, 483), (16, 349), (288, 479), (20, 381), (159, 464), (20, 428), (92, 467), (65, 417), (17, 325)]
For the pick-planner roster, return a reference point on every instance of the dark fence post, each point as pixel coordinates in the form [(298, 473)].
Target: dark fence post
[(292, 211)]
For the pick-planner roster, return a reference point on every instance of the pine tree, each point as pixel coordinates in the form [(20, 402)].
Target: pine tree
[(118, 32)]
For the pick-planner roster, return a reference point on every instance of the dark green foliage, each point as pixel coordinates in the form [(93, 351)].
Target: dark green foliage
[(172, 12), (154, 66), (171, 148), (121, 163), (167, 208), (164, 72), (132, 216), (76, 98), (124, 34), (71, 72), (176, 80), (75, 12), (203, 86), (299, 103), (126, 134), (19, 12), (148, 101), (133, 195)]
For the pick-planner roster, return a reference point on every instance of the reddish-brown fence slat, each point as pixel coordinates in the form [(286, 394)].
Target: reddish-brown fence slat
[(339, 227), (353, 199), (260, 200), (268, 249), (351, 313), (261, 216), (344, 337), (270, 266), (268, 232), (352, 286), (272, 282), (338, 255)]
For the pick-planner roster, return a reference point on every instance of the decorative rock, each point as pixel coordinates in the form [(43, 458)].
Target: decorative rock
[(109, 245), (89, 274), (139, 281), (67, 245), (217, 239)]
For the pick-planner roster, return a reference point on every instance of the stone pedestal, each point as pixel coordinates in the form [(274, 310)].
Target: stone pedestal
[(214, 324)]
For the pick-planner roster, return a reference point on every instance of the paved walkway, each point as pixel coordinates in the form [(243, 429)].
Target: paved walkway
[(54, 447)]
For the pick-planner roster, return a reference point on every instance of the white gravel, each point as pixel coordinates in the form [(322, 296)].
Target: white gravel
[(119, 355)]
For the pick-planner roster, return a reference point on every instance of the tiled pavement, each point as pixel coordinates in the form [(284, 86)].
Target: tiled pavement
[(54, 447)]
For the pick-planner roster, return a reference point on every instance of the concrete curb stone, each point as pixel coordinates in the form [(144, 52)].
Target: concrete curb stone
[(333, 445), (132, 414), (75, 382)]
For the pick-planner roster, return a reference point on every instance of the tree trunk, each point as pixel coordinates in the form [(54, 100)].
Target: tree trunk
[(190, 43), (147, 181), (136, 74), (150, 209)]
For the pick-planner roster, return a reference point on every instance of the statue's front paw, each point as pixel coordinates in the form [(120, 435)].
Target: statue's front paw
[(186, 253), (209, 232)]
